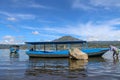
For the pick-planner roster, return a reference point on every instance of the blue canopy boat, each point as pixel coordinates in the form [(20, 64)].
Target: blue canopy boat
[(33, 52), (14, 49)]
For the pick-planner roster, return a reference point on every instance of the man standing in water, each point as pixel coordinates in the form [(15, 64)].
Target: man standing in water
[(115, 50)]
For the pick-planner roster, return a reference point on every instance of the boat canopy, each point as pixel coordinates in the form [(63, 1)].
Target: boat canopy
[(53, 42)]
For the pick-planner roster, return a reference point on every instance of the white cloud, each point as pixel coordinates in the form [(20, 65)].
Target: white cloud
[(25, 16), (95, 4), (8, 39), (28, 4), (100, 30), (103, 31), (46, 21), (17, 16), (12, 27), (81, 5), (34, 5), (11, 19), (48, 37), (30, 28), (106, 3), (35, 32)]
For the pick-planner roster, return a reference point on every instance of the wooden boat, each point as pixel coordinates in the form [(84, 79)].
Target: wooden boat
[(95, 52), (14, 49), (92, 52), (58, 53), (65, 53)]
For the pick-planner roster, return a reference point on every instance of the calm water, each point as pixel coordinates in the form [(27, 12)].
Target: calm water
[(20, 67)]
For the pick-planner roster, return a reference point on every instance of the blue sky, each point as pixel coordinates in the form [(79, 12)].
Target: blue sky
[(45, 20)]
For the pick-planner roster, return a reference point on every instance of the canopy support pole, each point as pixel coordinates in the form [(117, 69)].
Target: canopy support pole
[(44, 48), (56, 48)]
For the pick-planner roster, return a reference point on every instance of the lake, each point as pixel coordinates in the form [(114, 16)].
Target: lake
[(21, 67)]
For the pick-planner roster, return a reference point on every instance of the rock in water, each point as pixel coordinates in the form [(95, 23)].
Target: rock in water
[(75, 53)]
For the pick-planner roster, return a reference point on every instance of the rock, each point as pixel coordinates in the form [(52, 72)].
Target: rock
[(75, 53)]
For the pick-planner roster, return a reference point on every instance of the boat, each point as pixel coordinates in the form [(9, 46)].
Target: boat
[(94, 52), (34, 52), (14, 49), (55, 52), (58, 53)]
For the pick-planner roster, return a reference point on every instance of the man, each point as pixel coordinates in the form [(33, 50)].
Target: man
[(115, 50)]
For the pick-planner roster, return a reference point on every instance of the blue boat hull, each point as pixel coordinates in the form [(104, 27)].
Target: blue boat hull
[(65, 53), (95, 52), (13, 50), (49, 54)]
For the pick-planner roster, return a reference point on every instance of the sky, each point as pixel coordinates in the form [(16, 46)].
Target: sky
[(45, 20)]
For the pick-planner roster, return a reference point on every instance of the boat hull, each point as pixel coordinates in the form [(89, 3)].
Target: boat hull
[(65, 53), (95, 52), (48, 54), (14, 51)]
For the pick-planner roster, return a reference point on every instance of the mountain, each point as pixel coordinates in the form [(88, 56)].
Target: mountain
[(66, 38)]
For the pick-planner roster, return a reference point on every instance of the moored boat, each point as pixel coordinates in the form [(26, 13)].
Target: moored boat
[(49, 54), (14, 49), (95, 52), (33, 52)]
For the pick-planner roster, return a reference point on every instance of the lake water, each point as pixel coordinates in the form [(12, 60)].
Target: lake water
[(20, 67)]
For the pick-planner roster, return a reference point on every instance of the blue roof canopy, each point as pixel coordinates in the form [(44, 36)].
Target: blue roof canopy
[(62, 42)]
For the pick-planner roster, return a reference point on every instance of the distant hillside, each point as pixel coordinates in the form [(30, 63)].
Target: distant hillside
[(105, 44), (7, 46), (66, 38)]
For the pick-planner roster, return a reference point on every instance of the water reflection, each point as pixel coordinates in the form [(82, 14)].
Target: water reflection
[(78, 64), (54, 66), (19, 66), (14, 55), (96, 59), (115, 59)]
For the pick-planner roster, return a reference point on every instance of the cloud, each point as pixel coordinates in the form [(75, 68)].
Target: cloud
[(34, 5), (8, 39), (11, 19), (35, 32), (105, 3), (30, 27), (17, 16), (45, 21), (29, 4), (80, 4), (25, 16), (90, 31), (96, 4), (12, 27)]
